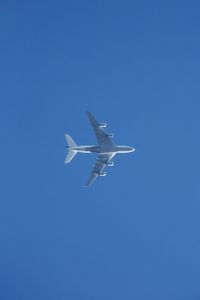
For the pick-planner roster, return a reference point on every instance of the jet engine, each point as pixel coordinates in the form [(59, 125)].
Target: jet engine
[(102, 174), (111, 135), (102, 125), (110, 164)]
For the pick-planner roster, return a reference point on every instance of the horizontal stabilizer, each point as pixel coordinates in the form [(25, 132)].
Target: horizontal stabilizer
[(70, 156), (70, 141)]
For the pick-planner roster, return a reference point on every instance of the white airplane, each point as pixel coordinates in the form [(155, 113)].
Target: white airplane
[(106, 149)]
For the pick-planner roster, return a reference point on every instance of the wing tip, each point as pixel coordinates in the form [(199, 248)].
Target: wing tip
[(87, 185), (91, 180), (89, 114)]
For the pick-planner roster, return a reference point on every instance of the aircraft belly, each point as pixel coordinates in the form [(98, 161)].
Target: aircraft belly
[(105, 150), (101, 150)]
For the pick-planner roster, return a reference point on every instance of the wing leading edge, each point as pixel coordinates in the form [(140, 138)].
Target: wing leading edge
[(101, 163), (102, 137)]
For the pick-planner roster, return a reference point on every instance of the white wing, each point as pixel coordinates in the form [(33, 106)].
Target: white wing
[(102, 137), (101, 163)]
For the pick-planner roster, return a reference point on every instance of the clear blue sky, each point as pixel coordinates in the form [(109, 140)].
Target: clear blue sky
[(135, 233)]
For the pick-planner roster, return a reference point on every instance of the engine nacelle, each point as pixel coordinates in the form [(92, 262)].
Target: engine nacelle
[(102, 174), (102, 125), (110, 164), (111, 135)]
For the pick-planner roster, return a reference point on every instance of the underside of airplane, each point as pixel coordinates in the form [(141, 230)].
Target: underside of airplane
[(105, 149)]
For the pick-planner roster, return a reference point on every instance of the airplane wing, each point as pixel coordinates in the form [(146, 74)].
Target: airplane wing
[(102, 137), (101, 162)]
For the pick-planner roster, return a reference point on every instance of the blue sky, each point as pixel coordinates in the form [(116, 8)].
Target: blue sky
[(135, 233)]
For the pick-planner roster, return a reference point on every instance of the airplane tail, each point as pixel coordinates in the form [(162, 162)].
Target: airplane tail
[(71, 152)]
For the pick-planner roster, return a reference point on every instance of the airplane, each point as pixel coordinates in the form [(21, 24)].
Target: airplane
[(105, 149)]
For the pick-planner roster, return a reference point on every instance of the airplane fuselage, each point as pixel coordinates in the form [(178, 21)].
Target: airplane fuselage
[(103, 149)]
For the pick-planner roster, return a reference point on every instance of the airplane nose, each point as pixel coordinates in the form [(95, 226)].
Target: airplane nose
[(132, 149)]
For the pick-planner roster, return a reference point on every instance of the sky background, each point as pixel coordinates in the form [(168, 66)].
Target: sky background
[(135, 233)]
